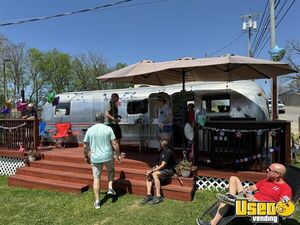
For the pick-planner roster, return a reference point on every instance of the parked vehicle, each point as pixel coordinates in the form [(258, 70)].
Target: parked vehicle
[(139, 108), (280, 106)]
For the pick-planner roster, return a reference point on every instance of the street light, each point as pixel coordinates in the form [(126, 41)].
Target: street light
[(4, 74)]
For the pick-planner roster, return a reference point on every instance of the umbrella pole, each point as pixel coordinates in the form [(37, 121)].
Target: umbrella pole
[(184, 114), (183, 80)]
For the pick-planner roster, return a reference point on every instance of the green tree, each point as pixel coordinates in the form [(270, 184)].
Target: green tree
[(57, 70), (37, 81)]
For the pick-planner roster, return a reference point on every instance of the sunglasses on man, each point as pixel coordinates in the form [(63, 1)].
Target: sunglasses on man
[(270, 170)]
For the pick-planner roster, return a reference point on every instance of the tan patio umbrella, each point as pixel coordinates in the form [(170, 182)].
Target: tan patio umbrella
[(225, 68)]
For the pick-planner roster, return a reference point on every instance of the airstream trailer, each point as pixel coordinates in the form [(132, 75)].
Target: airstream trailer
[(139, 108)]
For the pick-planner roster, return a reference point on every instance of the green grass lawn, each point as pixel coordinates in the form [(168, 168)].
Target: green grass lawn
[(25, 206)]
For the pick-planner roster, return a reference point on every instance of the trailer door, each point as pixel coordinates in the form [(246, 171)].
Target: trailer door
[(153, 107)]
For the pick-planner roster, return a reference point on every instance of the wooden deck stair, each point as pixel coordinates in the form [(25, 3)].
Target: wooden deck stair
[(65, 170)]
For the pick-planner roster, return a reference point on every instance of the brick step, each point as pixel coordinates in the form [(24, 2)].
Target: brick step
[(139, 174), (81, 173), (120, 171), (49, 184), (62, 166), (74, 177), (121, 186), (126, 162), (134, 164), (139, 188), (54, 156)]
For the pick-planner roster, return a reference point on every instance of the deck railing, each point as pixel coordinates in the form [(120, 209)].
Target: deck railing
[(242, 145), (16, 132)]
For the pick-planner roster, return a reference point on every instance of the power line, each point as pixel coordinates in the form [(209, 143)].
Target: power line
[(230, 43), (288, 9), (286, 12), (264, 34), (260, 24), (282, 6), (263, 46), (63, 14)]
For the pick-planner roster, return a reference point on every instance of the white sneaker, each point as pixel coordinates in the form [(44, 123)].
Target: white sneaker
[(111, 191), (97, 205)]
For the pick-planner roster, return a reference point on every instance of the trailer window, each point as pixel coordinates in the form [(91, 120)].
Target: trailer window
[(62, 109), (216, 104), (137, 107)]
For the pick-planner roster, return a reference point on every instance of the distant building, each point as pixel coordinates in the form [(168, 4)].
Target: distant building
[(291, 97)]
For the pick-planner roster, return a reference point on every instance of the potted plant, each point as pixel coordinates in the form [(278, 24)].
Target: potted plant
[(183, 168)]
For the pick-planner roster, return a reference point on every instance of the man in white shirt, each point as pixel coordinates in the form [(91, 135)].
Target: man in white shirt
[(165, 119)]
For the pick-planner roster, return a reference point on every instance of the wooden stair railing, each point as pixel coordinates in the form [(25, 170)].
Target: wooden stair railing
[(14, 132)]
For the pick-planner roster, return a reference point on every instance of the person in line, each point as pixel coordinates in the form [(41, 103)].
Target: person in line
[(189, 130), (99, 143), (165, 119), (113, 117), (191, 114), (30, 112), (271, 189), (160, 174)]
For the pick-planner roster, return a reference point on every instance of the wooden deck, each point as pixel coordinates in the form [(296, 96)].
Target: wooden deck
[(65, 170)]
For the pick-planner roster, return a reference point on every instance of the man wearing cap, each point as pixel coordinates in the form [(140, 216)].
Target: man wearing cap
[(99, 143)]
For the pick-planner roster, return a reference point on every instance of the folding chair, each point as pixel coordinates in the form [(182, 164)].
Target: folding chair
[(212, 210), (42, 126), (63, 132), (42, 132), (291, 177)]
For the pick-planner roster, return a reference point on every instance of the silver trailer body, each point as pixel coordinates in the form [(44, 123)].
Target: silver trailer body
[(139, 108)]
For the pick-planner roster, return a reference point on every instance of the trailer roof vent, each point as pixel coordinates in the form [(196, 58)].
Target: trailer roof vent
[(147, 61), (185, 58), (228, 55)]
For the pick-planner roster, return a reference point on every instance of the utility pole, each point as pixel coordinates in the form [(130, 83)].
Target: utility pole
[(250, 26), (272, 45)]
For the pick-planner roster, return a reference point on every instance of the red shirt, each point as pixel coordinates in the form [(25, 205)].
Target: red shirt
[(271, 191), (191, 117)]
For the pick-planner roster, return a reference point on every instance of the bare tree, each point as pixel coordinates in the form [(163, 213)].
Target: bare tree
[(16, 54), (292, 57), (86, 68)]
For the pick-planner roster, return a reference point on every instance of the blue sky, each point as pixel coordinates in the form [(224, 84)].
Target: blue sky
[(160, 30)]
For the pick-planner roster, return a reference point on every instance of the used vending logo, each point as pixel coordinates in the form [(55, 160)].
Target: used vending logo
[(264, 212)]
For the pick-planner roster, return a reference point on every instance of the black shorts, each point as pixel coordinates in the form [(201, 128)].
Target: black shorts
[(116, 129), (165, 176)]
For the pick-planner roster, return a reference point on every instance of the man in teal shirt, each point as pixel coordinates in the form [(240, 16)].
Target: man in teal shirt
[(99, 143)]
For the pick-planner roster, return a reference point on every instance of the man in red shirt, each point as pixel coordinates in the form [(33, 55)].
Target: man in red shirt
[(271, 189)]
